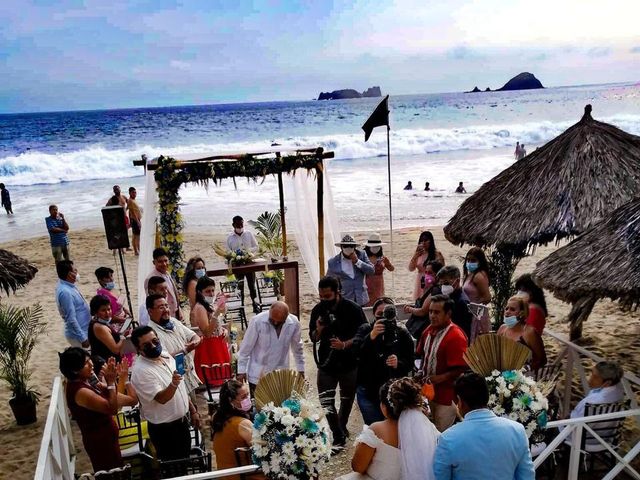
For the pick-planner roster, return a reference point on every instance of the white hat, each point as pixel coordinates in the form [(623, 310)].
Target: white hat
[(347, 241), (374, 240)]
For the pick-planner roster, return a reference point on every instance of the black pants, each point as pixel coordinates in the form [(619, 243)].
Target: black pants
[(251, 280), (172, 440), (327, 384)]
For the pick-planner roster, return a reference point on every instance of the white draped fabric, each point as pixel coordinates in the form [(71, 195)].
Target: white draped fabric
[(147, 233), (303, 211)]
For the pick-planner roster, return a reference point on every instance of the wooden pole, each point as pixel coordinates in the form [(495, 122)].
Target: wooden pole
[(283, 223), (320, 211)]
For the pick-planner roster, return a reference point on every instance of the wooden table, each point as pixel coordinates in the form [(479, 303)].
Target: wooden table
[(291, 284)]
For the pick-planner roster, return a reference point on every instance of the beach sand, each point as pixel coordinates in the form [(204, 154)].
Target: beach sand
[(609, 332)]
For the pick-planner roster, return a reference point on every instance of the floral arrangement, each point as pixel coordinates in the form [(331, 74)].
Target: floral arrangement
[(517, 397), (292, 441), (234, 257)]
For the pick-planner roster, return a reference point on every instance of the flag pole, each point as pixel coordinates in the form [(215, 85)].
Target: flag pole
[(393, 282)]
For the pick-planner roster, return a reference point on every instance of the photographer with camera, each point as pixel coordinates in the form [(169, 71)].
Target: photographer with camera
[(333, 324), (385, 351)]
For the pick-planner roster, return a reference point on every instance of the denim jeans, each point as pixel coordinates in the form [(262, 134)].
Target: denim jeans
[(369, 406), (327, 384)]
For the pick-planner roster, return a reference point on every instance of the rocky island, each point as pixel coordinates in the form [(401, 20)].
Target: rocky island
[(350, 93), (522, 81)]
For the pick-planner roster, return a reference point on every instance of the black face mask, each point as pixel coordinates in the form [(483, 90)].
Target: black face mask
[(152, 351), (329, 304)]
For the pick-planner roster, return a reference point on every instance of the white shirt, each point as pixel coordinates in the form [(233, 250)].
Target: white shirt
[(611, 394), (347, 266), (246, 241), (172, 292), (143, 315), (150, 377), (173, 341), (263, 351)]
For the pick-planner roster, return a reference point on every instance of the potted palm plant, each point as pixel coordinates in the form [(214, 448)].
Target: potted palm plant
[(20, 328), (268, 227)]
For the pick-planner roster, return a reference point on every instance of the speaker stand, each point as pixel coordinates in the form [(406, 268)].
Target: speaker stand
[(126, 284)]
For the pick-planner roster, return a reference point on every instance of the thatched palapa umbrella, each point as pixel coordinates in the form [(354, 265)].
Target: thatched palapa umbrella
[(15, 272), (604, 262), (559, 190)]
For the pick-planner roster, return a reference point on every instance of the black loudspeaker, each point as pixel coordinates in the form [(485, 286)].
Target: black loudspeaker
[(115, 227)]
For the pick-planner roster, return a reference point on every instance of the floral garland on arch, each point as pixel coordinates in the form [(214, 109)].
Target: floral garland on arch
[(170, 175)]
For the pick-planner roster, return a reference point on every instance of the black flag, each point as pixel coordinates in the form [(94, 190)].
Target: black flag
[(378, 118)]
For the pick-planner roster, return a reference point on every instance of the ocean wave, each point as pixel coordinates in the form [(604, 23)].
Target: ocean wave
[(97, 162)]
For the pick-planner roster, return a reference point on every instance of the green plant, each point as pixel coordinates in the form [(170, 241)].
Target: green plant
[(19, 332), (268, 228), (502, 264)]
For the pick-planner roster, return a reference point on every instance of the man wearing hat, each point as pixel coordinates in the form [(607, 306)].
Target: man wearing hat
[(351, 267)]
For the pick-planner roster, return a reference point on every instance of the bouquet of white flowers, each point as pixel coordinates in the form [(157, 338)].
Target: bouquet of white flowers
[(517, 397), (291, 442), (234, 257)]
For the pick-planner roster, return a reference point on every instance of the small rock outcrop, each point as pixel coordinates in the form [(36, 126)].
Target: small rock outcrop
[(475, 90), (350, 93), (522, 81)]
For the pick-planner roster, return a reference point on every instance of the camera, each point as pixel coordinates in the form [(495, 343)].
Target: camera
[(390, 322)]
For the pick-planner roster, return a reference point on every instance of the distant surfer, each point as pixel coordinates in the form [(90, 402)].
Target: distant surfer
[(408, 186), (426, 187), (460, 188)]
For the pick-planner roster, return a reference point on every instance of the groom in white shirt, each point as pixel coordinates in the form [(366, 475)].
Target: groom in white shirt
[(267, 342)]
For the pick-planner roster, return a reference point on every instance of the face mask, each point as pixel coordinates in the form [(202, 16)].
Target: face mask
[(110, 285), (104, 321), (375, 250), (168, 325), (429, 280), (329, 304), (152, 351), (238, 230), (472, 266), (446, 289), (200, 272), (210, 300), (245, 404), (77, 277), (511, 321), (347, 251)]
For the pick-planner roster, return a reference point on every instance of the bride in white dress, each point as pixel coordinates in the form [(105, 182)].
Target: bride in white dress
[(401, 446)]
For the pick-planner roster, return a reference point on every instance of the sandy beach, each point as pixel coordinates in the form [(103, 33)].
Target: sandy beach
[(609, 332)]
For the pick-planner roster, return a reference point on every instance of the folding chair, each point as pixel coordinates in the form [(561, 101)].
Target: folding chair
[(608, 430), (133, 433), (244, 457), (267, 291), (198, 462), (235, 303), (214, 376)]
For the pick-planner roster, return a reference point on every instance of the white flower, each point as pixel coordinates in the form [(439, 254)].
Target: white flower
[(288, 420), (265, 467), (290, 431)]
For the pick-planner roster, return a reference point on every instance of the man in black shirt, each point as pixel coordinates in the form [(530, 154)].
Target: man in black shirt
[(385, 352), (333, 325)]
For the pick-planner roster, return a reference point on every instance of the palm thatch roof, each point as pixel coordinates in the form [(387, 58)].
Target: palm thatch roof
[(559, 190), (604, 261), (15, 272)]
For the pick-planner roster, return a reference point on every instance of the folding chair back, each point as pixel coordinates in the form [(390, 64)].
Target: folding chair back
[(244, 457), (267, 291), (235, 303), (199, 462), (609, 430), (214, 376), (132, 432)]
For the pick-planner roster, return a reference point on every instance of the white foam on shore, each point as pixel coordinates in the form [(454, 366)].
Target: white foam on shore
[(97, 162)]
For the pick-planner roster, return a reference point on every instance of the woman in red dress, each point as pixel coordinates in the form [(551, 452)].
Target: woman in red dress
[(534, 296), (93, 404), (214, 348)]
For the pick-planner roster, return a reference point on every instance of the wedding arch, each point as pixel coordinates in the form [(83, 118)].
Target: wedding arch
[(169, 174)]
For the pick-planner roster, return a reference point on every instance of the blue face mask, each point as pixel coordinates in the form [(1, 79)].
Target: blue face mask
[(511, 321), (472, 266), (168, 325), (110, 285), (200, 272), (153, 351)]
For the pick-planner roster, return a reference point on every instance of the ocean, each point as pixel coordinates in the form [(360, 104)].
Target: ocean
[(73, 159)]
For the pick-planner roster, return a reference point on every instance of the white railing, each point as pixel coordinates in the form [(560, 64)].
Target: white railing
[(577, 427), (56, 460)]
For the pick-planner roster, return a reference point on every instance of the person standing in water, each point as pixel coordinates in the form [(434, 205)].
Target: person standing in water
[(460, 188), (426, 187), (6, 199), (408, 186)]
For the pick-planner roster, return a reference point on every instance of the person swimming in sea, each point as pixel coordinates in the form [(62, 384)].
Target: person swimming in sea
[(408, 186), (460, 188)]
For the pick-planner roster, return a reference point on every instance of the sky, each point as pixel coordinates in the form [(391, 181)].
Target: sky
[(94, 54)]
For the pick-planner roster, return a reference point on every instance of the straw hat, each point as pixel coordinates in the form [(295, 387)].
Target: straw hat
[(347, 241), (374, 240)]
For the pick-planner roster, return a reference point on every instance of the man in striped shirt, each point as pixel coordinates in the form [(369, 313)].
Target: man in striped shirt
[(58, 228)]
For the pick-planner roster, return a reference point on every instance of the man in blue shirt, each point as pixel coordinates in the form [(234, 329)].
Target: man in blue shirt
[(58, 228), (72, 306), (484, 445)]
